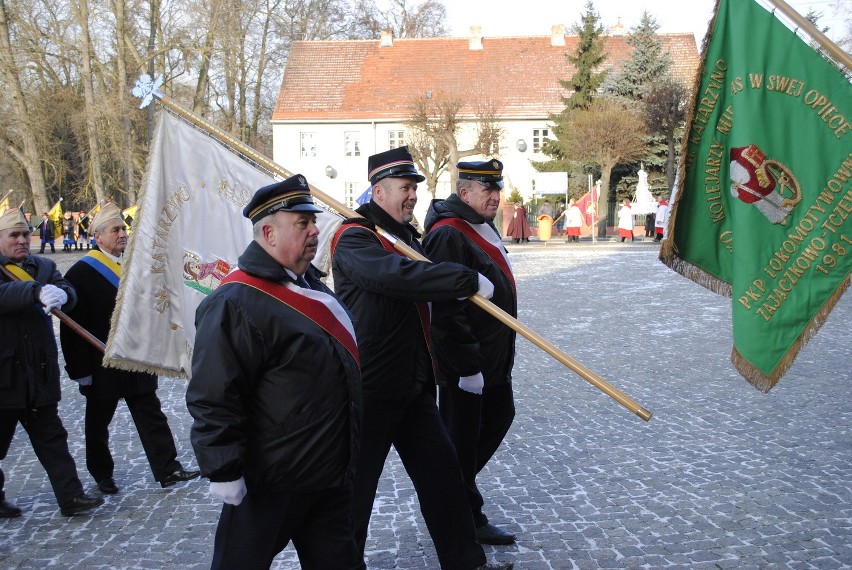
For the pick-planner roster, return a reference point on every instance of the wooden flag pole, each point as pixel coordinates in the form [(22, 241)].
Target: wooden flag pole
[(146, 89), (65, 319)]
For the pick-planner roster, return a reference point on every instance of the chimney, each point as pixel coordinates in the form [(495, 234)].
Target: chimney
[(475, 41), (386, 39), (557, 35)]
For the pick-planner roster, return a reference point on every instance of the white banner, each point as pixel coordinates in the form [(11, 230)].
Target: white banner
[(187, 237)]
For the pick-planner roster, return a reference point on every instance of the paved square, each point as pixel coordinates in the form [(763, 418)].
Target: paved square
[(722, 476)]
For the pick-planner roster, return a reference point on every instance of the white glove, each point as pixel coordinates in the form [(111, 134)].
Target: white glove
[(472, 384), (231, 492), (486, 287), (52, 297), (84, 381)]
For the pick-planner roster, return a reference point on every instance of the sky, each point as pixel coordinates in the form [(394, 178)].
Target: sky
[(535, 17)]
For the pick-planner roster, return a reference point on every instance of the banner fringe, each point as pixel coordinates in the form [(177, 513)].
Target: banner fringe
[(764, 382), (120, 363), (693, 272)]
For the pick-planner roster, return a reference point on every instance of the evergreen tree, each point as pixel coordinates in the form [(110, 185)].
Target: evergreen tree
[(648, 62), (581, 87), (590, 55)]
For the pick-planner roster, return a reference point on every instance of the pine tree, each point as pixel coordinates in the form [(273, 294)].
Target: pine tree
[(590, 55), (647, 64)]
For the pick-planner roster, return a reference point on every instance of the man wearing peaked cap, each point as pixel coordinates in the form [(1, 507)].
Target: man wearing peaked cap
[(30, 287), (96, 277), (388, 294), (473, 350), (275, 395), (488, 173), (396, 163), (290, 195)]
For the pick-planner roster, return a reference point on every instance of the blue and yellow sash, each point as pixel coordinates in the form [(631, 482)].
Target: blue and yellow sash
[(110, 270)]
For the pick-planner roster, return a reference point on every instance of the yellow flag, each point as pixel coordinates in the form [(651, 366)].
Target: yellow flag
[(55, 216), (4, 205), (129, 214)]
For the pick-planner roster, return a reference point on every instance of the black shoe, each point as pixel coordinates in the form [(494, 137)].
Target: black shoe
[(496, 566), (108, 486), (81, 504), (8, 510), (178, 476), (490, 534)]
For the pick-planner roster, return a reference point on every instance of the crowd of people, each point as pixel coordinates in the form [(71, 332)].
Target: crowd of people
[(569, 221), (297, 392)]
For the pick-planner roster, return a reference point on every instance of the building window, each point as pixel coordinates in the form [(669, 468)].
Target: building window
[(350, 194), (351, 145), (308, 145), (538, 138), (396, 139)]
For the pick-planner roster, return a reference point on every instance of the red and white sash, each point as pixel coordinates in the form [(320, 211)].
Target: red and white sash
[(321, 308), (487, 240)]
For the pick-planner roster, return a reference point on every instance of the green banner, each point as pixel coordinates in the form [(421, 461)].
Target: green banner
[(763, 212)]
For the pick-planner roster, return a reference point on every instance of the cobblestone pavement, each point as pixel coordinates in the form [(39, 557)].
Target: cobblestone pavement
[(722, 476)]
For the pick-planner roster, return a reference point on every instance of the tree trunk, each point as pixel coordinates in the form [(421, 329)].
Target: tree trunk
[(95, 175), (153, 26), (603, 199), (128, 178), (28, 155), (670, 160)]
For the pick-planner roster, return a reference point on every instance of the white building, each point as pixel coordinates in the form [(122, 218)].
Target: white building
[(341, 101)]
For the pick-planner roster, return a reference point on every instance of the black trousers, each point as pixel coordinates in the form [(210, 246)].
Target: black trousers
[(414, 427), (319, 523), (50, 444), (151, 424), (477, 425)]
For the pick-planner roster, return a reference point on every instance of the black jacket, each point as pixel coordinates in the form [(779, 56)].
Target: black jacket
[(380, 287), (467, 339), (29, 366), (275, 398), (95, 304)]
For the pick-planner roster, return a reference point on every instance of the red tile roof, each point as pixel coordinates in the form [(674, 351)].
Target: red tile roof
[(359, 80)]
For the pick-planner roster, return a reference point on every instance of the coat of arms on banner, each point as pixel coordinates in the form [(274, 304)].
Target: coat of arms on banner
[(768, 184), (202, 276)]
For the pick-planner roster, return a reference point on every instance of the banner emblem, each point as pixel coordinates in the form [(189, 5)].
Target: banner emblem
[(768, 184)]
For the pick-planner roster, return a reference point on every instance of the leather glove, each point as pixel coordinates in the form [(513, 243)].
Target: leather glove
[(472, 384), (52, 297), (486, 287), (231, 492), (84, 381)]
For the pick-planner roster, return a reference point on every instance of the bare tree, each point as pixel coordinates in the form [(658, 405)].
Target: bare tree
[(605, 133), (665, 110), (94, 178), (20, 140), (433, 129), (406, 20)]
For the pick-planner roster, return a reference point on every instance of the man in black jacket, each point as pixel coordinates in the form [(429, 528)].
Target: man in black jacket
[(276, 396), (96, 278), (30, 287), (475, 352), (388, 295)]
